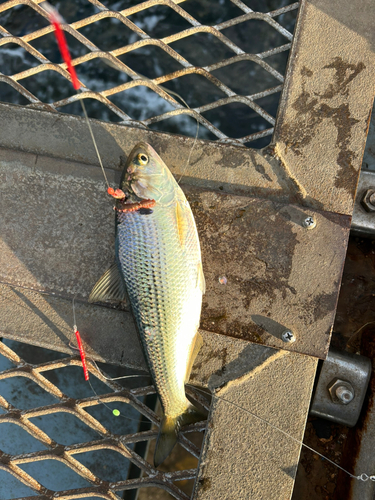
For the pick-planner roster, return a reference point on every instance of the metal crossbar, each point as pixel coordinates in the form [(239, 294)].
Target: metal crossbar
[(170, 103), (66, 454)]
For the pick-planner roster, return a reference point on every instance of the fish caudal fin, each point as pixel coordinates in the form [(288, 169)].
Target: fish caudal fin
[(168, 433)]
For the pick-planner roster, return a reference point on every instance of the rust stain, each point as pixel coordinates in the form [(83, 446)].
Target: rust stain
[(312, 110), (342, 78), (220, 354), (257, 244), (260, 169), (306, 72), (205, 483), (244, 241), (319, 306)]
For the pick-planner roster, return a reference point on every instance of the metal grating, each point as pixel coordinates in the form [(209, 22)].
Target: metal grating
[(38, 380), (226, 58)]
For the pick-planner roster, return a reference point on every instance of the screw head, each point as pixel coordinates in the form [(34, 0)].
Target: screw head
[(368, 200), (288, 337), (309, 222)]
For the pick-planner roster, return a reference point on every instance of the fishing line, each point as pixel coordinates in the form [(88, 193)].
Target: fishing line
[(94, 141), (362, 477), (171, 92), (56, 20), (115, 412), (80, 348)]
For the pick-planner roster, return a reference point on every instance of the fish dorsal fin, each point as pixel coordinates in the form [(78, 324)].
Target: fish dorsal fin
[(201, 282), (110, 287), (182, 221), (195, 347)]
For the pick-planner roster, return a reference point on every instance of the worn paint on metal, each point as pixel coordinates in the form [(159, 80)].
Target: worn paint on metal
[(326, 103), (279, 274)]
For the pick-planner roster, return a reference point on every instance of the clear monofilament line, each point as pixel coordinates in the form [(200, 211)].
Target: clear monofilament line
[(115, 412), (74, 315), (362, 477), (57, 21), (171, 92), (93, 140), (116, 378), (196, 134)]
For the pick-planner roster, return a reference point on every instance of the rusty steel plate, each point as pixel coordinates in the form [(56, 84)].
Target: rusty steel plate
[(266, 273)]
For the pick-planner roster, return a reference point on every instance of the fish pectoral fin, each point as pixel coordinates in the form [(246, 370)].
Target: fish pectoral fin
[(195, 347), (110, 287), (169, 428), (201, 282)]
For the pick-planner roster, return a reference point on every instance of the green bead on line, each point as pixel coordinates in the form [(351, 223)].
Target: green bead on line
[(116, 413)]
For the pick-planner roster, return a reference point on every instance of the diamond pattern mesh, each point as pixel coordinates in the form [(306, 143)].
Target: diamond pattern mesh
[(226, 58), (56, 435)]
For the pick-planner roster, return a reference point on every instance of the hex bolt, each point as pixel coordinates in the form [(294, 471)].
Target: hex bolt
[(288, 336), (344, 394), (368, 200), (309, 222), (341, 391)]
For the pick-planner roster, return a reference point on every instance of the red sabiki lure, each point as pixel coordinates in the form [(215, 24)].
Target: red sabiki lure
[(56, 21), (79, 343), (81, 352)]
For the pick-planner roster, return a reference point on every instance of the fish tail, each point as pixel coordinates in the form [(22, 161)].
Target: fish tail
[(169, 429)]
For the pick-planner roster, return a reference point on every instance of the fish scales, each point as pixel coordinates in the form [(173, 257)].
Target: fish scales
[(158, 266), (160, 277)]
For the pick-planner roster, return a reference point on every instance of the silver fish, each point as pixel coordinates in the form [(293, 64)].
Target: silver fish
[(158, 266)]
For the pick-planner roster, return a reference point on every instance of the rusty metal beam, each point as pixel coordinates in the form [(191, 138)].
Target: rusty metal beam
[(279, 275)]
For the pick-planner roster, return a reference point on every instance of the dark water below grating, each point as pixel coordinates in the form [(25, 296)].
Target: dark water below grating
[(245, 77)]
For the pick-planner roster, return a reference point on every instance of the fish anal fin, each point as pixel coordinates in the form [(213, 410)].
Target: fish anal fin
[(110, 287), (195, 347)]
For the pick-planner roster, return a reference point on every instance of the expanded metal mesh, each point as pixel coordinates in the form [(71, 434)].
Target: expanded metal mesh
[(35, 382), (225, 57)]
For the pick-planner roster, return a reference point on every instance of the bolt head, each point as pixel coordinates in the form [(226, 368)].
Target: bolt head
[(288, 337), (344, 394), (368, 200), (309, 222), (341, 391)]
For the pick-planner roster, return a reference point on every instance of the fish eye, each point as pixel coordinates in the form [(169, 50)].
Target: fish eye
[(142, 158)]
